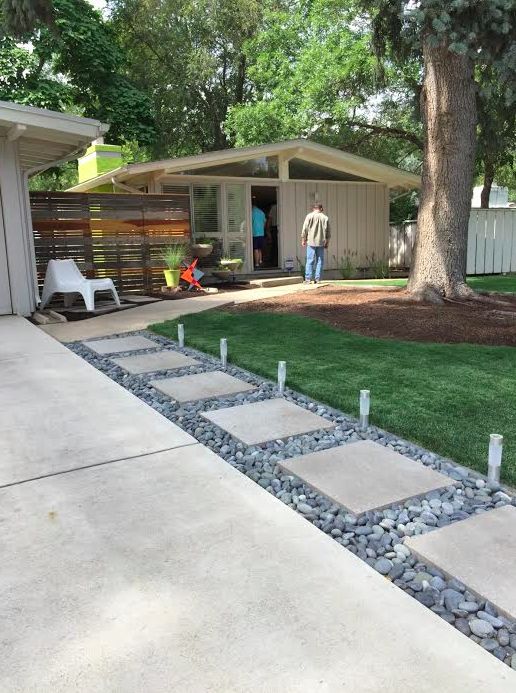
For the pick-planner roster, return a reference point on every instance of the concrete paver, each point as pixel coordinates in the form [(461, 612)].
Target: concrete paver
[(272, 419), (60, 413), (479, 551), (364, 475), (175, 572), (190, 388), (155, 361), (118, 345)]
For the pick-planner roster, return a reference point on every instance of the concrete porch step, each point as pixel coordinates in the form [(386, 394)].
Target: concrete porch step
[(275, 281)]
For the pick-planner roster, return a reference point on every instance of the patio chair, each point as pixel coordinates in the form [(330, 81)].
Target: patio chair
[(63, 276)]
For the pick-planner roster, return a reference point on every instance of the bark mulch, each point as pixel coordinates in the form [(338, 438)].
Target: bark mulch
[(392, 314)]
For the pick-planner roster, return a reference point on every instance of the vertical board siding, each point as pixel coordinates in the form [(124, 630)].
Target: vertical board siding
[(491, 242), (109, 235), (359, 217)]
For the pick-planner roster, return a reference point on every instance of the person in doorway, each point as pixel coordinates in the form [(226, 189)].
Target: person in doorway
[(272, 228), (315, 236), (258, 223)]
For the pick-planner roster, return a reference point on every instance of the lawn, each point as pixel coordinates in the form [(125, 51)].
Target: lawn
[(446, 397), (491, 282)]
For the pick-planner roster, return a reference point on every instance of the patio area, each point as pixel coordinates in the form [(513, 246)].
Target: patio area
[(134, 558)]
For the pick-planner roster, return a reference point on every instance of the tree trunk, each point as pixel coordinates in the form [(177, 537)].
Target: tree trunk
[(489, 174), (449, 113)]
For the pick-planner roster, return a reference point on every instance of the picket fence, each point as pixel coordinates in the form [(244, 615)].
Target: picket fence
[(491, 242)]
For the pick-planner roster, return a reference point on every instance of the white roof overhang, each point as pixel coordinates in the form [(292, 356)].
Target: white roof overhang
[(46, 137)]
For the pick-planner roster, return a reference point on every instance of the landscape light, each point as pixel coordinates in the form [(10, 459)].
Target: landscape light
[(181, 335), (365, 403), (282, 375), (224, 352), (495, 457)]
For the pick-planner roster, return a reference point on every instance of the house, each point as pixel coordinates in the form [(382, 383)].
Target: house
[(31, 140), (292, 175)]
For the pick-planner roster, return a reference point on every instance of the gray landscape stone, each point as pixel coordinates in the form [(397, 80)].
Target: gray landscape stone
[(481, 628), (120, 344), (364, 475), (190, 388), (155, 361), (260, 422), (480, 552)]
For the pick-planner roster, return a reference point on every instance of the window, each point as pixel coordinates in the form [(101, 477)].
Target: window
[(263, 167), (206, 211), (298, 169)]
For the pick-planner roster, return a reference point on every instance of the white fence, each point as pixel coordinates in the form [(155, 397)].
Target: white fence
[(491, 242)]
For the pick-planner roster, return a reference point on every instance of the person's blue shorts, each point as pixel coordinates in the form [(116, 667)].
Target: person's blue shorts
[(258, 242)]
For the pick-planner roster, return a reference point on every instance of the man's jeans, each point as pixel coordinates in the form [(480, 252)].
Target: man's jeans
[(314, 253)]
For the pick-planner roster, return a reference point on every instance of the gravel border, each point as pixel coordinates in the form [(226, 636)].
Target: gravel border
[(377, 537)]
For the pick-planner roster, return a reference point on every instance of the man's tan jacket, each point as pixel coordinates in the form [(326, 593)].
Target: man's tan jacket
[(316, 229)]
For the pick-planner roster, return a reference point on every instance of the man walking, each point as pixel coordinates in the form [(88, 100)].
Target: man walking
[(315, 236), (258, 219)]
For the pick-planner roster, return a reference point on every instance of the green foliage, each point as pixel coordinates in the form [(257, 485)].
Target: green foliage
[(174, 255), (59, 178), (76, 65), (188, 55), (379, 265), (348, 264)]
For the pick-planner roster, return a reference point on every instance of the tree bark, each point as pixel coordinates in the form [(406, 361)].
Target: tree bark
[(489, 174), (449, 113)]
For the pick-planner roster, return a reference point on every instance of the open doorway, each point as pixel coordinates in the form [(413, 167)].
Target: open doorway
[(265, 197)]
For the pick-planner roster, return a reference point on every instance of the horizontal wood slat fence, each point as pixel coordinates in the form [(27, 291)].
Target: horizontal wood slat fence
[(491, 242), (117, 236)]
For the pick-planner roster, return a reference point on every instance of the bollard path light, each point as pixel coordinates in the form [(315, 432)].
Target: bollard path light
[(282, 376), (495, 457), (365, 403), (181, 335), (224, 352)]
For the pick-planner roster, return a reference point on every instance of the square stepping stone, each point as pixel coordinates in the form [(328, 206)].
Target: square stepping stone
[(364, 475), (273, 419), (120, 344), (479, 551), (190, 388), (155, 361)]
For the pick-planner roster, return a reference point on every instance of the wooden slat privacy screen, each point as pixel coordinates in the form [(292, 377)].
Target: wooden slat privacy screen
[(118, 236)]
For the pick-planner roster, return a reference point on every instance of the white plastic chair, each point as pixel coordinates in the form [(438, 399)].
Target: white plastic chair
[(63, 276)]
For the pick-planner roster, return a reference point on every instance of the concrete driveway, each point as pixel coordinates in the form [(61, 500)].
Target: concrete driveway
[(168, 570)]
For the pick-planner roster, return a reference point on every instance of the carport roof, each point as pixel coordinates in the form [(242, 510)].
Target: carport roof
[(45, 137)]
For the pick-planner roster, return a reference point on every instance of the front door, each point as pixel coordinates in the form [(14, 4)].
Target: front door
[(236, 229), (265, 197), (5, 288)]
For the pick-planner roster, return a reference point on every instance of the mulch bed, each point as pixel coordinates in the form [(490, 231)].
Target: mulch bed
[(392, 314)]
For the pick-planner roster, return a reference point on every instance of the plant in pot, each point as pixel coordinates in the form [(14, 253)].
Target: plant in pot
[(173, 256), (231, 263), (202, 247)]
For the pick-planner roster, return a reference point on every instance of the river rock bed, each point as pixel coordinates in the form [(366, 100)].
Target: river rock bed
[(377, 537)]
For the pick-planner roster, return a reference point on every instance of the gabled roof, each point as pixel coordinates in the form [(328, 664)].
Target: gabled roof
[(43, 136), (328, 157)]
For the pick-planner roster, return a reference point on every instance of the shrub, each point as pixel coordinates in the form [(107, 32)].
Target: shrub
[(379, 266), (348, 265)]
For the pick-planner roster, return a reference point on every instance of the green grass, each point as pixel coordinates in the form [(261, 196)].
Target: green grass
[(446, 397), (492, 282)]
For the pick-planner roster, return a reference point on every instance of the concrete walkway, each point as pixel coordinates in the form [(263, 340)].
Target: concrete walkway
[(143, 316), (168, 570)]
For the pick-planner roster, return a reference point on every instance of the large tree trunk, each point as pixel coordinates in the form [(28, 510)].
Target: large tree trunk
[(449, 113), (489, 173)]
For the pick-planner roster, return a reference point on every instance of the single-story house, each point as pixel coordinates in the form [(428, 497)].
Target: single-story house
[(283, 179), (31, 140)]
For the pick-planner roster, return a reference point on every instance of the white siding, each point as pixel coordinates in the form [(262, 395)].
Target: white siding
[(358, 212)]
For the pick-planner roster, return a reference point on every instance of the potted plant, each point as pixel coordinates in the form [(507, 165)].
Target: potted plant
[(202, 247), (231, 263), (173, 256)]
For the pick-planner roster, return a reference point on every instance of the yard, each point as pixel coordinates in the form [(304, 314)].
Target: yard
[(491, 282), (447, 397)]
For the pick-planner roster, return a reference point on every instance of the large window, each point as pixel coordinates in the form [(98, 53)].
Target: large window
[(298, 169), (263, 167), (206, 211)]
